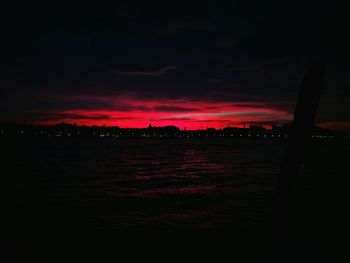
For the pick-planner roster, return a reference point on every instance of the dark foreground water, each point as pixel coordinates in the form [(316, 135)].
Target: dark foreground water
[(131, 185), (136, 183)]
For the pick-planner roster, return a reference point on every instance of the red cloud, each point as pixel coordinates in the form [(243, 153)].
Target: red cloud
[(192, 114)]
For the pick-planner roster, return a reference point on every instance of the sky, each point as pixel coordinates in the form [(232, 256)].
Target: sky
[(193, 64)]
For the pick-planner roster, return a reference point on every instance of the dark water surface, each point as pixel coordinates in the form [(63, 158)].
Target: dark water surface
[(132, 185)]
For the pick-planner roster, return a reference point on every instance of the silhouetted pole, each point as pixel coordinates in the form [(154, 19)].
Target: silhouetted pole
[(298, 140)]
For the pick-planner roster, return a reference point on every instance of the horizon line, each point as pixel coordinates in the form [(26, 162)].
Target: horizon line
[(245, 126)]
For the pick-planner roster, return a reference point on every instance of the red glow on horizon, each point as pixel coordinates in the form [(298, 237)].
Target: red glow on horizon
[(127, 112)]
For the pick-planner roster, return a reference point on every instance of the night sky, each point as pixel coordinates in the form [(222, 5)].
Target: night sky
[(193, 64)]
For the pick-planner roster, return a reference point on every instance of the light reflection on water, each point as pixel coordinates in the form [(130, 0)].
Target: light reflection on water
[(139, 182)]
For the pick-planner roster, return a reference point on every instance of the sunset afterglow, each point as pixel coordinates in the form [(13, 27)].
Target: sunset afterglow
[(192, 114)]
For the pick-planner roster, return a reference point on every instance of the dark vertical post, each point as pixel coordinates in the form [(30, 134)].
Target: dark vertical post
[(298, 140)]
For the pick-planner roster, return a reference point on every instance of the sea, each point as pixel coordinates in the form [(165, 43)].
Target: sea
[(143, 185), (113, 184)]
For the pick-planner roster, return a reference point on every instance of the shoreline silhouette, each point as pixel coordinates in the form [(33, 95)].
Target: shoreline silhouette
[(280, 131)]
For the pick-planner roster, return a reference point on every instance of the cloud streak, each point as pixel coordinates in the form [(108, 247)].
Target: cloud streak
[(137, 113), (148, 73)]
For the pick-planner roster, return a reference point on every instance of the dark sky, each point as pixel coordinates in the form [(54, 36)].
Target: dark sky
[(188, 63)]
